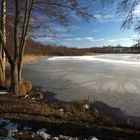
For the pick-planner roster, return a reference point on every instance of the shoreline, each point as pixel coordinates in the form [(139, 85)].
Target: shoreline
[(106, 83), (30, 59), (40, 112), (70, 120)]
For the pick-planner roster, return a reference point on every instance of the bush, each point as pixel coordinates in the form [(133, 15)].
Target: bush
[(76, 106), (27, 86)]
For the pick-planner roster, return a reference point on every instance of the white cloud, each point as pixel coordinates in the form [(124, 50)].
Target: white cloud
[(112, 40), (77, 38), (106, 18), (64, 35), (59, 29), (119, 39), (73, 28), (98, 17), (137, 11), (88, 41), (99, 42), (135, 37), (68, 39), (124, 39), (41, 39), (80, 38), (95, 31), (103, 18), (101, 39), (89, 38), (65, 30)]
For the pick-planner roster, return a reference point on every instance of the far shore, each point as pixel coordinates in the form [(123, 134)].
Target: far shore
[(28, 59)]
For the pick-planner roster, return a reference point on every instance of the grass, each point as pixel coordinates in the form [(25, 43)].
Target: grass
[(28, 59), (25, 87), (71, 119)]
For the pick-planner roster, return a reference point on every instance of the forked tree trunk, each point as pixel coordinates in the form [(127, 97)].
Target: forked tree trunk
[(27, 15)]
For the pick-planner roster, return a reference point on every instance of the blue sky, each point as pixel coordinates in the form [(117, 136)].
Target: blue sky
[(104, 29)]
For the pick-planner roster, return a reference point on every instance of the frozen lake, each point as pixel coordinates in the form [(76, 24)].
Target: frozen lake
[(110, 80)]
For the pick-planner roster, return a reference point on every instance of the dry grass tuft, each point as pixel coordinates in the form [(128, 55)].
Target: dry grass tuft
[(24, 88), (27, 59)]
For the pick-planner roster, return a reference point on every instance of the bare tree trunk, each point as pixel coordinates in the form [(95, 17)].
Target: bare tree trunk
[(14, 65), (2, 44), (23, 39), (1, 72), (1, 68), (4, 35), (14, 79), (28, 10)]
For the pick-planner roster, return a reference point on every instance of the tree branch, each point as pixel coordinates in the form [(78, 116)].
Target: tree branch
[(77, 9), (5, 49)]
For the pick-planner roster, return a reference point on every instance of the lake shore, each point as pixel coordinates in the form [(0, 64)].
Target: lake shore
[(28, 59), (42, 114), (70, 120), (111, 82)]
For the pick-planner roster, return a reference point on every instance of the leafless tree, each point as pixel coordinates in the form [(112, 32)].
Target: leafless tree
[(42, 12), (129, 10)]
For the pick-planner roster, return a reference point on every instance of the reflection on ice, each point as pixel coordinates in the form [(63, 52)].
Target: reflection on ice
[(132, 59), (113, 79)]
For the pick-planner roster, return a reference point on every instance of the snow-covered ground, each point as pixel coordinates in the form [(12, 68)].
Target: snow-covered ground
[(4, 92), (12, 129), (132, 59), (111, 79)]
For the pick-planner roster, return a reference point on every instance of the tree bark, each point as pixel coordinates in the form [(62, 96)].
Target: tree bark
[(15, 86), (14, 79), (28, 11), (2, 44), (1, 71), (4, 35)]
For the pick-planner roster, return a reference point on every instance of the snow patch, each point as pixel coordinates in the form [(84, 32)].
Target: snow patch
[(10, 127), (93, 138), (45, 136), (4, 92), (42, 133), (27, 128), (128, 59)]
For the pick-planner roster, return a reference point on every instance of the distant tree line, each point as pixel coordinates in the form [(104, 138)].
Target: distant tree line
[(115, 49), (52, 50), (35, 48)]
